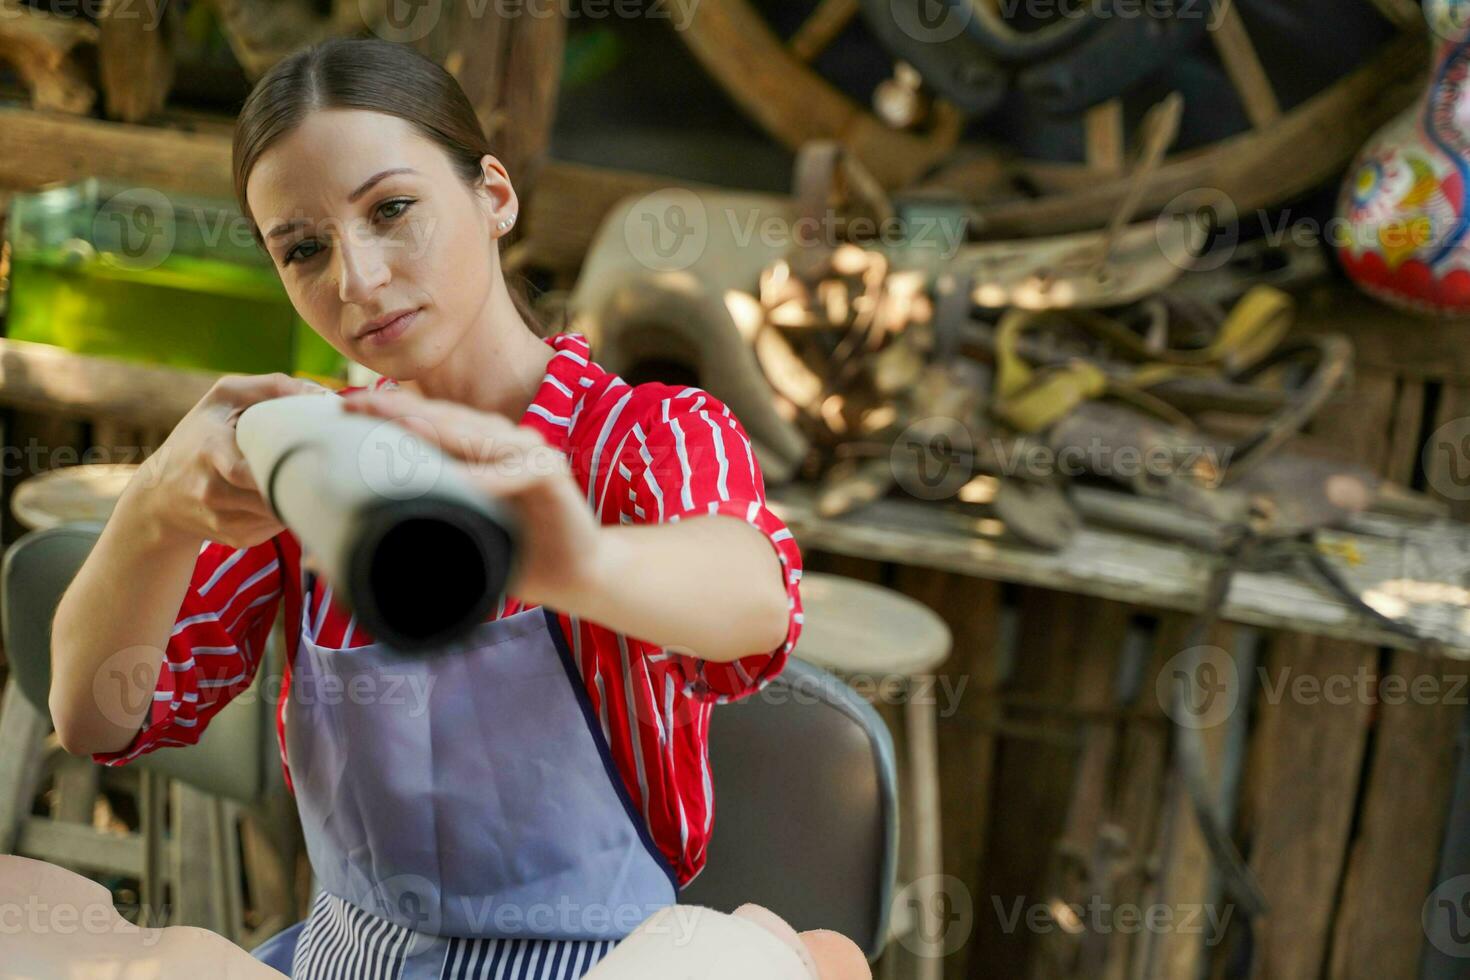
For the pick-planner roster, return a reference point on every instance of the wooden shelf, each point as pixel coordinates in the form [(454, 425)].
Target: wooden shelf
[(1153, 572)]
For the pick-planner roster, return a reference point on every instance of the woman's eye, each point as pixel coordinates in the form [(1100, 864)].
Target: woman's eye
[(295, 252), (401, 204), (398, 206)]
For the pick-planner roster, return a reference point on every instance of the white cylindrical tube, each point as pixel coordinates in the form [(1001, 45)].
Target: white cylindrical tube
[(410, 544)]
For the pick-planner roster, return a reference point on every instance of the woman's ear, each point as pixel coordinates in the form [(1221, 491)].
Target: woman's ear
[(498, 194)]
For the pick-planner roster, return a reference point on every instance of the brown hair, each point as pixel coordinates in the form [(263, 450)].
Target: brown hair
[(372, 74)]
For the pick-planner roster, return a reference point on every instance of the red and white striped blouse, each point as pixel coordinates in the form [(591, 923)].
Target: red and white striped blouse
[(642, 454)]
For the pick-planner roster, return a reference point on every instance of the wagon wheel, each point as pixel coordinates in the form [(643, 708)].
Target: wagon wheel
[(1283, 153), (772, 81)]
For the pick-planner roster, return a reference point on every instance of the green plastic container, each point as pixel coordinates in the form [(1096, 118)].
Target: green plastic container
[(100, 268)]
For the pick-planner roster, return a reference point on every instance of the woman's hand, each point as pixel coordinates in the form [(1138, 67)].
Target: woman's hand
[(827, 955), (559, 559), (197, 485)]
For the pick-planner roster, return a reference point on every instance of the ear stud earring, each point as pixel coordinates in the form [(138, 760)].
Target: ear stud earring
[(505, 223)]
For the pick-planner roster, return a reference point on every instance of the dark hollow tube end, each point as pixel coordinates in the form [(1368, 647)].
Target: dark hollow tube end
[(425, 572)]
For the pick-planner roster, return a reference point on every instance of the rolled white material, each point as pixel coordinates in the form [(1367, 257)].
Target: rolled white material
[(56, 924), (410, 544), (690, 942)]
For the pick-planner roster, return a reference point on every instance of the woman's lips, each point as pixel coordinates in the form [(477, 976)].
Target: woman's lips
[(390, 332)]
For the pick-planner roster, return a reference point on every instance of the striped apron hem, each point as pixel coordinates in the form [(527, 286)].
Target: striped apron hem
[(344, 942)]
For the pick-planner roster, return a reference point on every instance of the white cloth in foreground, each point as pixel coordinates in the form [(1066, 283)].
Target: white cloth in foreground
[(55, 923)]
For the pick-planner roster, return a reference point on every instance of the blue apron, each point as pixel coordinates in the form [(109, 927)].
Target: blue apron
[(462, 812)]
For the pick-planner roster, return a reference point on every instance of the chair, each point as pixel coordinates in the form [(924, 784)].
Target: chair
[(884, 642), (235, 763), (806, 808), (806, 819)]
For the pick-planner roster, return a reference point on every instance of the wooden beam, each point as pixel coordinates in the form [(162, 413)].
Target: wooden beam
[(1404, 14), (37, 148), (1306, 764), (1141, 778), (39, 45), (510, 69), (1244, 67), (43, 378), (1106, 143), (1378, 931), (79, 846), (821, 28), (1091, 826), (1255, 169), (571, 201), (795, 104), (1030, 776), (531, 78), (262, 32), (135, 60)]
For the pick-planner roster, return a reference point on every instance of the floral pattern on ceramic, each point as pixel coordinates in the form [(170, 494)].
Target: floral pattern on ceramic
[(1404, 234)]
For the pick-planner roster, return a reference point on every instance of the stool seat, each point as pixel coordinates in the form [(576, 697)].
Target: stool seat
[(85, 493), (853, 627)]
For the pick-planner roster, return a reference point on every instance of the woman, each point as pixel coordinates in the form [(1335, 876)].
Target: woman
[(550, 789)]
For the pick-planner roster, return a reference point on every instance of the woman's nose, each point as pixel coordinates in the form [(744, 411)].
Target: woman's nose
[(361, 270)]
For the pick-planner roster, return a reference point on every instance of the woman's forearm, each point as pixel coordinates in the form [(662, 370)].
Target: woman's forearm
[(710, 585), (112, 625)]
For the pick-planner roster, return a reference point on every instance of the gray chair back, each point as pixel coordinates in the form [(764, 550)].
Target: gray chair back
[(806, 808), (234, 757)]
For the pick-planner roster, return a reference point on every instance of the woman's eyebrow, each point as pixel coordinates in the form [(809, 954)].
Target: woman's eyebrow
[(285, 229), (367, 185)]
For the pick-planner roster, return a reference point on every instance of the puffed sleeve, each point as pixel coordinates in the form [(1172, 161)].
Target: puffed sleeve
[(691, 457)]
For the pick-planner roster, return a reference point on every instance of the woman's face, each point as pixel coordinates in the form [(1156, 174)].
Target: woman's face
[(365, 218)]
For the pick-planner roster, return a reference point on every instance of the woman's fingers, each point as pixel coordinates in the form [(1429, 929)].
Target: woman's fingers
[(464, 433), (782, 930), (240, 391), (242, 528), (836, 956), (449, 418), (312, 564), (828, 955), (230, 464), (231, 487)]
